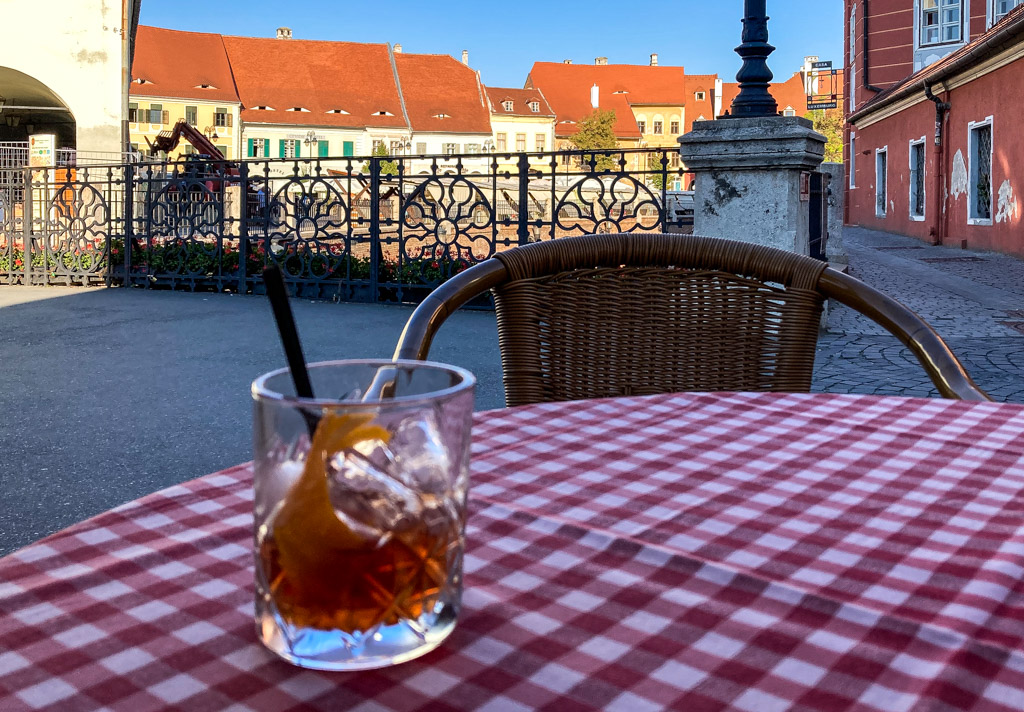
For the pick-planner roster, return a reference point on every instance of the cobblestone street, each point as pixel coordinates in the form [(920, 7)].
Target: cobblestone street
[(975, 300)]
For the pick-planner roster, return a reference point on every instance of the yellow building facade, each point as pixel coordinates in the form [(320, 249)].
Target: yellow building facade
[(218, 121)]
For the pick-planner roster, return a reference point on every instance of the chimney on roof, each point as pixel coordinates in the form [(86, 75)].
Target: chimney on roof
[(398, 48), (601, 60), (566, 61), (595, 96), (284, 33), (654, 60), (465, 57)]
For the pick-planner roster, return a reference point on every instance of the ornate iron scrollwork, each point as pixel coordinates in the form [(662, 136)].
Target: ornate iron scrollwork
[(597, 204)]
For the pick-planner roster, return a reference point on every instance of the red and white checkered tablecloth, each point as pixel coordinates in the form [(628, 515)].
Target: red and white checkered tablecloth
[(755, 552)]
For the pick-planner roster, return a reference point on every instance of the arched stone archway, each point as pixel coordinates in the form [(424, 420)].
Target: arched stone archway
[(28, 106)]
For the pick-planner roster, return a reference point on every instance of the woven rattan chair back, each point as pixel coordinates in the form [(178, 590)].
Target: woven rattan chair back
[(607, 316), (611, 315)]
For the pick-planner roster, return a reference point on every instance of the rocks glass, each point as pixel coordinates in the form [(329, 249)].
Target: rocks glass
[(360, 505)]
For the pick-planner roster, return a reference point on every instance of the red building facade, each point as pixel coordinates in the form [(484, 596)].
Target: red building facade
[(934, 147)]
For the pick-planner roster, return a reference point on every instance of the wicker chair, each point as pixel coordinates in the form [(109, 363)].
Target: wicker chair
[(610, 315)]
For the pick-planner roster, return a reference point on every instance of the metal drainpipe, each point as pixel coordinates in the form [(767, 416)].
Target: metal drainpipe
[(937, 230)]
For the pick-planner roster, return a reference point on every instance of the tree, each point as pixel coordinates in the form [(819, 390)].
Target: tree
[(387, 168), (596, 132), (829, 123)]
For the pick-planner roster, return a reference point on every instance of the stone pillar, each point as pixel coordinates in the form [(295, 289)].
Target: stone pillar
[(749, 182), (834, 249)]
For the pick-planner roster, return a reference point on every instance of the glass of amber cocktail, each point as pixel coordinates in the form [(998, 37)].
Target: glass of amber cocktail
[(360, 507)]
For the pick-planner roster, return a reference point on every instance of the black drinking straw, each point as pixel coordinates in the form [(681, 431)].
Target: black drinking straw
[(286, 326)]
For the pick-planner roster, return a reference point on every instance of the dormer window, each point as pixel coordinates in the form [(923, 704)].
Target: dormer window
[(263, 107), (534, 106), (699, 96), (298, 108), (442, 116), (205, 86), (507, 105), (337, 111), (140, 80), (383, 112)]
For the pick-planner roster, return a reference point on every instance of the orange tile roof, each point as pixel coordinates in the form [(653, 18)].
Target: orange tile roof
[(520, 99), (567, 88), (788, 93), (320, 76), (175, 64), (694, 107), (442, 94)]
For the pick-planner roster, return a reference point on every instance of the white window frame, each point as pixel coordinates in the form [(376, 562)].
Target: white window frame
[(699, 96), (919, 22), (924, 182), (972, 165), (880, 212), (534, 106), (853, 160), (507, 105), (853, 32), (259, 147), (290, 144), (992, 19)]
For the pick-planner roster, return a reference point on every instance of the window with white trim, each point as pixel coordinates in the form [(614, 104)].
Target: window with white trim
[(979, 174), (881, 176), (789, 111), (699, 96), (853, 161), (501, 142), (642, 125), (507, 105), (658, 127), (258, 147), (521, 142), (673, 127), (998, 9), (288, 147), (942, 21), (853, 32), (534, 106), (917, 168), (540, 142)]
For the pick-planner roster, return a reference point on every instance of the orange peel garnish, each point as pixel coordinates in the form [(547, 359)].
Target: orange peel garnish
[(306, 529)]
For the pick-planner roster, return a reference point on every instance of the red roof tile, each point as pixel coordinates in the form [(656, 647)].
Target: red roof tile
[(175, 64), (696, 108), (520, 99), (788, 93), (442, 94), (567, 88), (319, 76)]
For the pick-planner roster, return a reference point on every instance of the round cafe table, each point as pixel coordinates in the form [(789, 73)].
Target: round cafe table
[(747, 551)]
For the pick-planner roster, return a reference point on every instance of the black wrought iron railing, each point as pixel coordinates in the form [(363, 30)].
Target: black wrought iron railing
[(351, 229)]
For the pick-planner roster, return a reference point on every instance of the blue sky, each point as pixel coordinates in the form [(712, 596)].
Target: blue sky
[(504, 39)]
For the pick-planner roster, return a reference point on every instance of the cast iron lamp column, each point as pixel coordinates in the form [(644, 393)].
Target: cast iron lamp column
[(754, 99)]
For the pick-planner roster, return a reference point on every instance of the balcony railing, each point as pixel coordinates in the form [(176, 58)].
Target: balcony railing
[(368, 228)]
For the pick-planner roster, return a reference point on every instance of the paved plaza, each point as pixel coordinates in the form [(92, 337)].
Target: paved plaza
[(110, 394)]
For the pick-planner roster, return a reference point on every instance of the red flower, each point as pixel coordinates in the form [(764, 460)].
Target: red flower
[(114, 251), (434, 265), (17, 263)]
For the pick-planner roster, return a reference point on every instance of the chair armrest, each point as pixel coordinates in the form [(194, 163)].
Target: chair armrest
[(942, 366), (418, 334)]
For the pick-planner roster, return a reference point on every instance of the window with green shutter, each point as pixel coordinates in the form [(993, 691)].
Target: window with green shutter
[(348, 149), (266, 148), (281, 146), (322, 149), (251, 153), (298, 149)]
